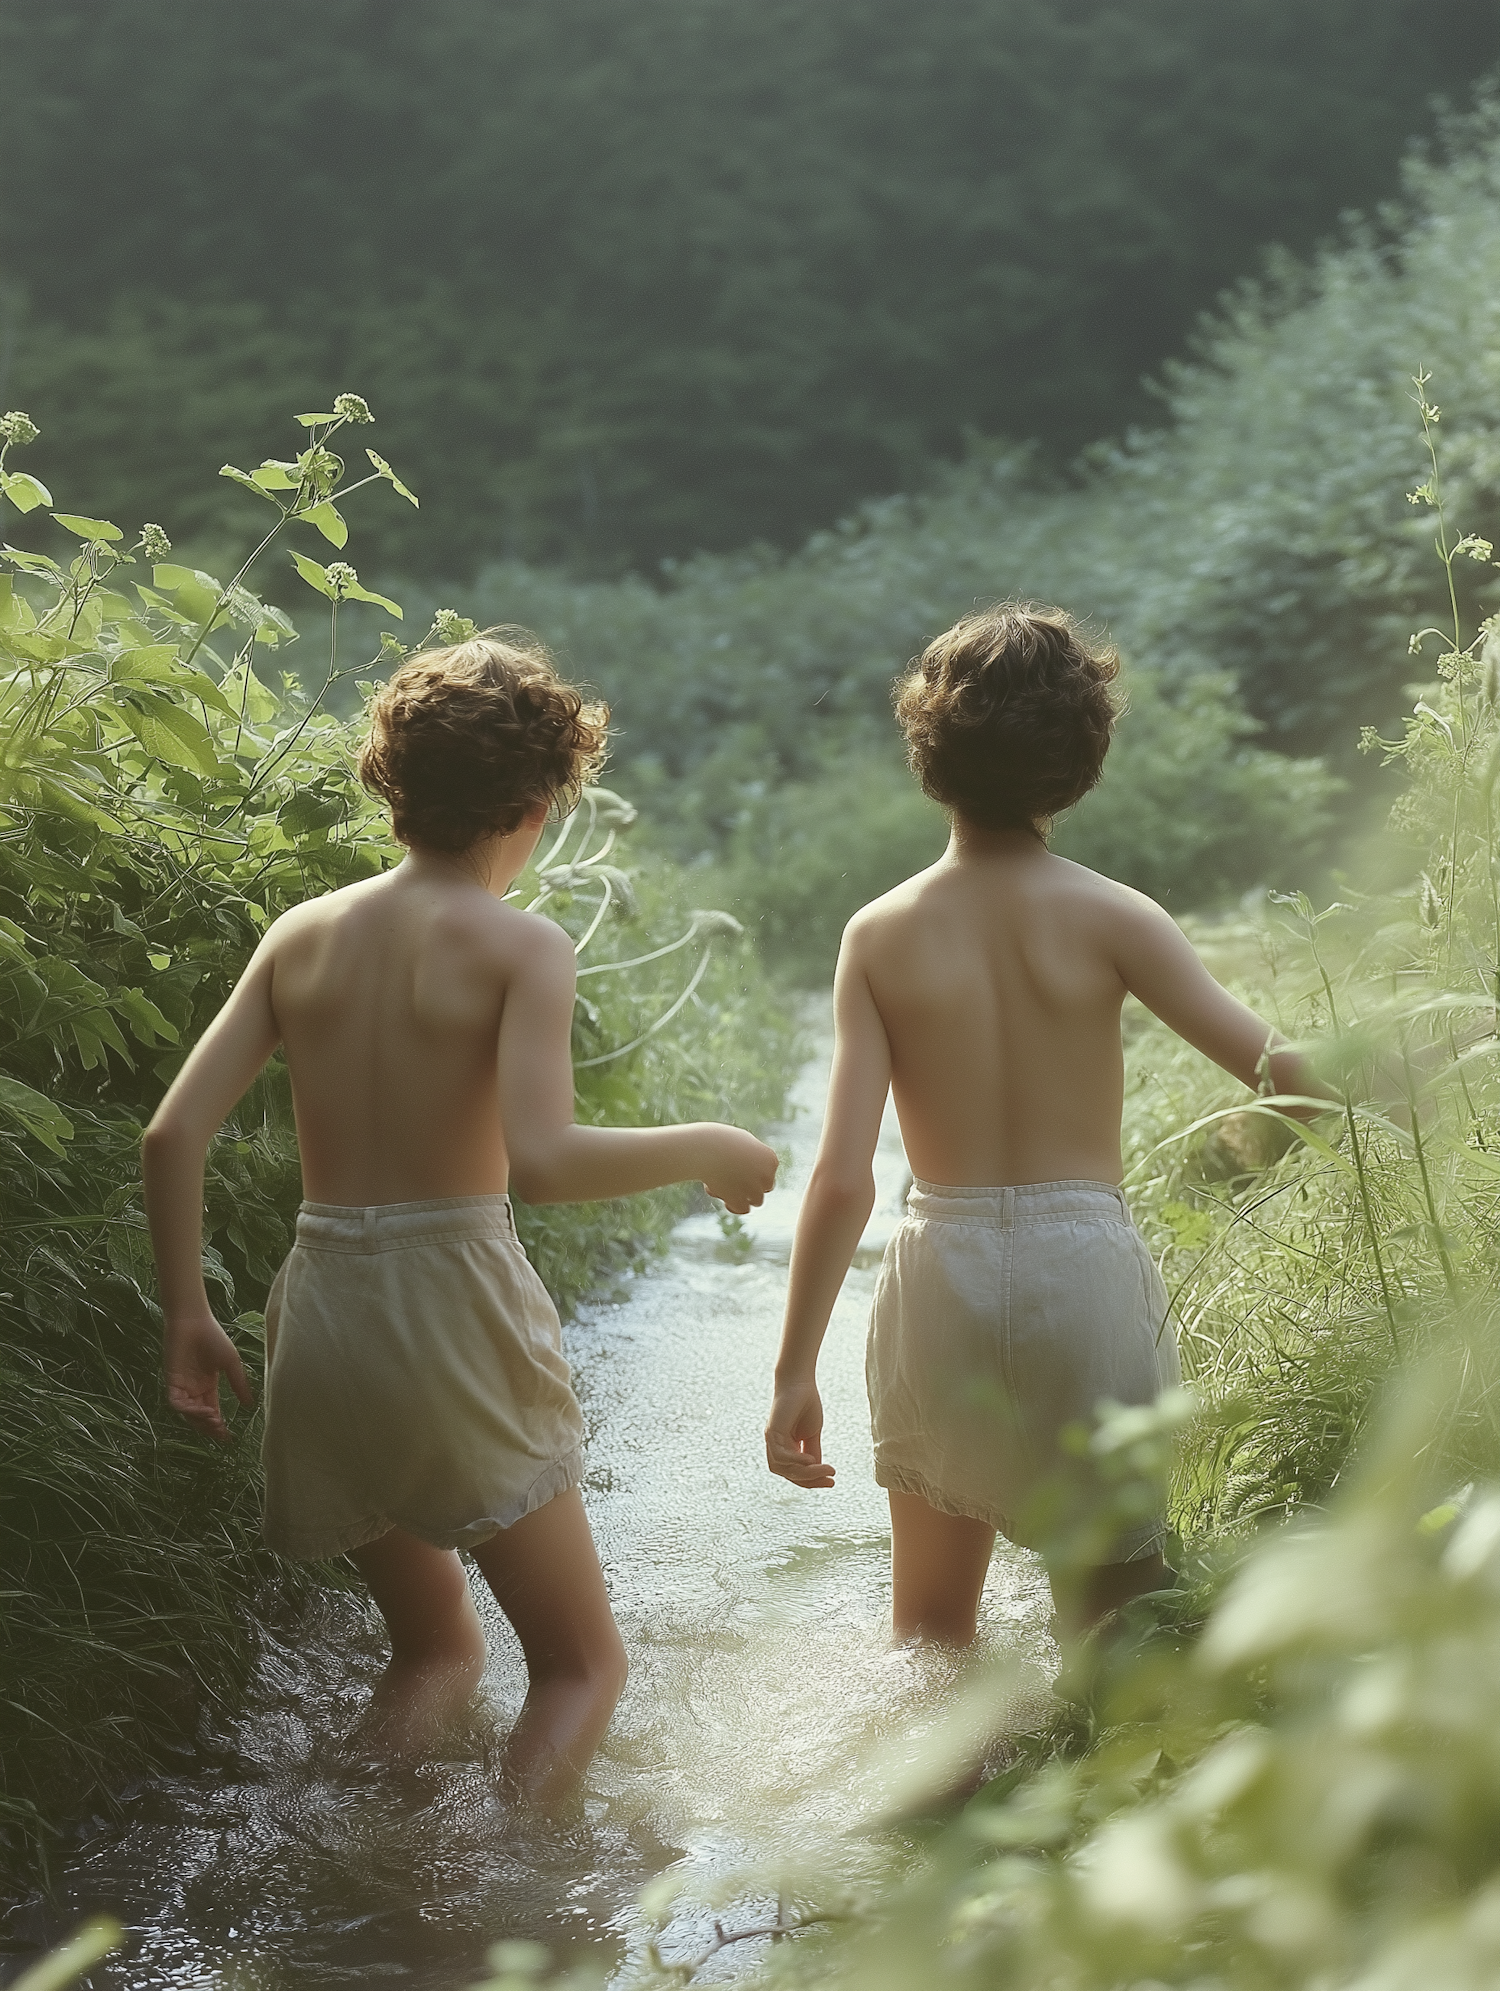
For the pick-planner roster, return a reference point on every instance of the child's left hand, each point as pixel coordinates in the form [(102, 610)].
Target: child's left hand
[(794, 1436), (196, 1353)]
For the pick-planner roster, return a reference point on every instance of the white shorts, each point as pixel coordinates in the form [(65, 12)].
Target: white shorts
[(1001, 1317), (415, 1379)]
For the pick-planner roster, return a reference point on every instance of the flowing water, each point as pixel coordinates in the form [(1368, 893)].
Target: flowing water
[(767, 1719)]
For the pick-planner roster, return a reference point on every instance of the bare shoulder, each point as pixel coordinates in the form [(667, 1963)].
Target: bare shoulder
[(888, 918), (313, 916), (1120, 910), (533, 937)]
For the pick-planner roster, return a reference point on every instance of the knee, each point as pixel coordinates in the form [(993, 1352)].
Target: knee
[(610, 1670)]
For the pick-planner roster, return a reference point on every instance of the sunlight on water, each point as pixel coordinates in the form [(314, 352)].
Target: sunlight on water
[(767, 1717)]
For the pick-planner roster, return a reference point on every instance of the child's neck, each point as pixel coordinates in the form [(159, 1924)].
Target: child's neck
[(493, 863), (969, 843)]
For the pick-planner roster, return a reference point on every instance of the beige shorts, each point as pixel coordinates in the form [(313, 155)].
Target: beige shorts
[(415, 1379), (1002, 1316)]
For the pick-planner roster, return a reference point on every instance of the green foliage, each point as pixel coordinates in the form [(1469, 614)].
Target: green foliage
[(160, 804), (683, 273), (1306, 1795)]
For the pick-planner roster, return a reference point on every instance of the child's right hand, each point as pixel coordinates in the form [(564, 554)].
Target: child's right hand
[(794, 1436), (741, 1170), (196, 1352)]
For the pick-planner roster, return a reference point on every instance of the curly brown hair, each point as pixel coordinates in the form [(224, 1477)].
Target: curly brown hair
[(1008, 716), (468, 741)]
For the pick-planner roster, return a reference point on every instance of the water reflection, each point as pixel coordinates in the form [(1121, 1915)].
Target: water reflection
[(762, 1720)]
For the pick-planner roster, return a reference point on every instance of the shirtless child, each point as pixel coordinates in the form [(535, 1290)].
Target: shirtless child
[(985, 993), (417, 1399)]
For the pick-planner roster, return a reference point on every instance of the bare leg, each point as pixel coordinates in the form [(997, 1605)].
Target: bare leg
[(546, 1577), (1087, 1600), (938, 1566), (437, 1642)]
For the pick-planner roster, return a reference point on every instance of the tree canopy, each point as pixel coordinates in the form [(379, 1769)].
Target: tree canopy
[(629, 280)]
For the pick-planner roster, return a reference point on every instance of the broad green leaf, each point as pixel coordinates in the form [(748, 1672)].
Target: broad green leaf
[(314, 575), (274, 475), (256, 700), (128, 1248), (354, 592), (244, 477), (33, 563), (312, 421), (159, 663), (88, 528), (309, 810), (275, 628), (41, 649), (147, 1024), (25, 492), (36, 1113), (168, 732), (326, 518), (150, 662), (195, 593), (386, 471), (68, 802)]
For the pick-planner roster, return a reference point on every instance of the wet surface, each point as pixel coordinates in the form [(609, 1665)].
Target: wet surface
[(766, 1721)]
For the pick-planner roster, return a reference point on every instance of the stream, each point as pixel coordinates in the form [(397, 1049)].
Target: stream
[(767, 1718)]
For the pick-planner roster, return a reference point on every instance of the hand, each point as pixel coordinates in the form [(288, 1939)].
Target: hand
[(794, 1436), (742, 1170), (196, 1352)]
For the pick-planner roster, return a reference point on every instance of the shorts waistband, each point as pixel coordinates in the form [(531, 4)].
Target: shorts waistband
[(364, 1227), (1022, 1202)]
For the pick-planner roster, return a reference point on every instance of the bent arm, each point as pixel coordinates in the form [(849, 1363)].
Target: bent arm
[(841, 1190), (836, 1208), (1159, 966), (230, 1053), (552, 1159)]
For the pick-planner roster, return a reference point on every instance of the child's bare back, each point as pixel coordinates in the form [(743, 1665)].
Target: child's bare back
[(998, 976)]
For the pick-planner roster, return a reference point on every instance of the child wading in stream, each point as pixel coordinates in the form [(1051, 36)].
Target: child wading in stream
[(985, 994), (417, 1399)]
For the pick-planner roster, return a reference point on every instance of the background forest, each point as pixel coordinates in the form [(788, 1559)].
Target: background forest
[(736, 351), (628, 281), (662, 287)]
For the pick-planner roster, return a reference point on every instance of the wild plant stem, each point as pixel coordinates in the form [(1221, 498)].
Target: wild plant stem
[(1367, 1208), (1440, 1242)]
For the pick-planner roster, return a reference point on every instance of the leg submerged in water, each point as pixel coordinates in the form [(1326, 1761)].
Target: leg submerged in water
[(437, 1642), (938, 1565), (545, 1575)]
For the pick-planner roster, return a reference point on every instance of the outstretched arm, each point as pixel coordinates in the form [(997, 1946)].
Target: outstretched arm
[(226, 1058), (553, 1160), (835, 1210), (1158, 964)]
